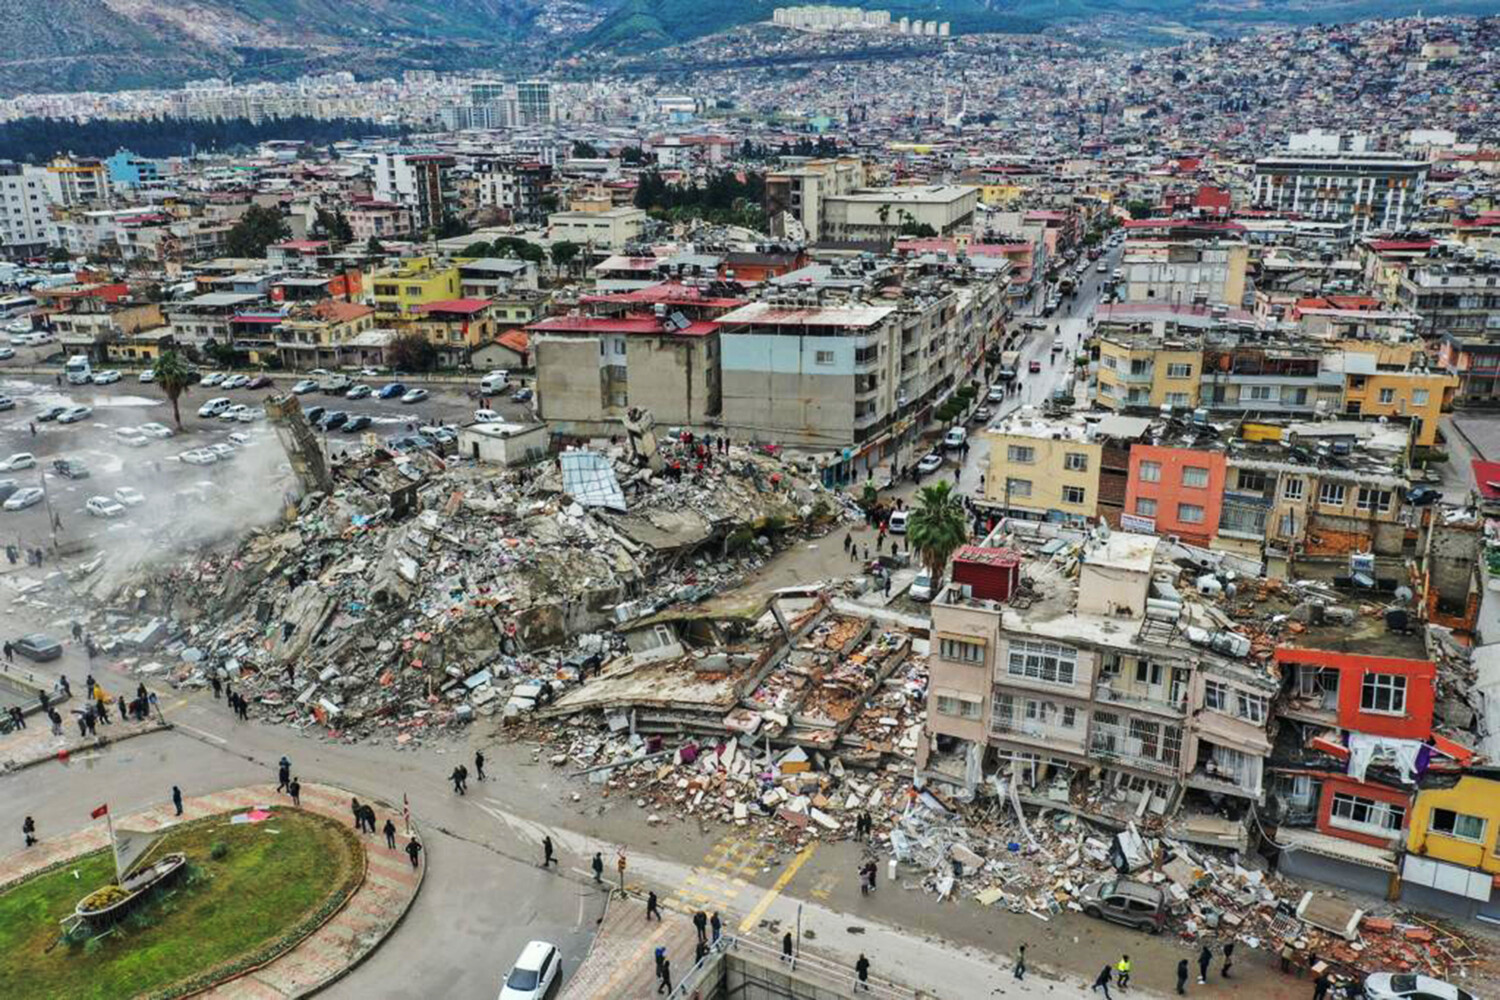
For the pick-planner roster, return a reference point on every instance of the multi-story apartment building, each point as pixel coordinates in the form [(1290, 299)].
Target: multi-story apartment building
[(1249, 373), (422, 182), (1372, 191), (1149, 357), (378, 220), (511, 185), (1185, 272), (1066, 469), (1452, 859), (318, 335), (74, 182), (794, 197), (1090, 697), (1458, 302), (882, 214), (534, 102), (25, 211), (208, 319), (603, 231), (399, 291)]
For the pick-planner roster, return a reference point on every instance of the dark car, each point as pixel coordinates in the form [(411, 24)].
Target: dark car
[(7, 487), (314, 414), (333, 419), (38, 647), (357, 423), (521, 396), (1423, 496), (1124, 901), (52, 412), (261, 382), (72, 468), (391, 390)]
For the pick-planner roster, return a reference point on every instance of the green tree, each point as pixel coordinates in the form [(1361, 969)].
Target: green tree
[(335, 226), (937, 527), (257, 229), (563, 254), (451, 226), (1139, 209), (57, 255), (514, 246), (480, 249), (374, 248), (583, 150), (412, 352), (175, 376)]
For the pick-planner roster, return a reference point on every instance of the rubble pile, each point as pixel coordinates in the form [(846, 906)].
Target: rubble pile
[(418, 593)]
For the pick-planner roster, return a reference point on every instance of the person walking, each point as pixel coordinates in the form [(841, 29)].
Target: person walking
[(218, 685), (283, 773), (177, 799), (28, 830), (10, 653), (1321, 985), (1228, 958), (715, 926), (390, 834), (700, 924), (294, 789), (862, 973), (1205, 959), (1101, 981), (413, 848), (1122, 972), (547, 856), (359, 814), (56, 721), (665, 972), (1020, 967), (1182, 976), (598, 866), (652, 909), (458, 780), (786, 949), (479, 764)]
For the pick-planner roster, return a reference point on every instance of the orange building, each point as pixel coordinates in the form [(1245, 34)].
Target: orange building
[(1174, 491)]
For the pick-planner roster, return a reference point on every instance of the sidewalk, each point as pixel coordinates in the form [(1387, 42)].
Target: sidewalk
[(390, 885), (620, 964), (36, 745)]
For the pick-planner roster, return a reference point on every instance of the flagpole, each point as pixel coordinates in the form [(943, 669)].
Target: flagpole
[(114, 847)]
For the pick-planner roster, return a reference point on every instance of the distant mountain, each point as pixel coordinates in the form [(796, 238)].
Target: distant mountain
[(643, 25), (116, 44)]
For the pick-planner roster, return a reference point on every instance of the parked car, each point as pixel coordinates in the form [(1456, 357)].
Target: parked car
[(6, 403), (1034, 367), (23, 498), (1406, 986), (106, 377), (52, 413), (149, 375), (8, 487), (199, 456), (486, 417), (896, 525), (955, 438), (357, 423), (20, 460), (391, 390), (996, 394), (70, 468), (415, 396), (1128, 902), (235, 382), (223, 452), (104, 507), (241, 440), (930, 463), (921, 588), (532, 976), (358, 392), (214, 407), (212, 379), (132, 437), (982, 415), (38, 647), (1423, 496), (73, 414), (333, 419), (335, 383), (6, 353), (314, 414), (522, 395), (156, 430), (304, 386), (129, 496), (260, 382), (233, 412)]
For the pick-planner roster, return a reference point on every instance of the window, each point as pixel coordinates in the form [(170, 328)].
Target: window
[(1189, 513), (1150, 472), (1264, 393), (1076, 461), (1179, 371), (947, 703), (1215, 696), (1195, 476), (825, 357), (1383, 693), (1291, 489), (1457, 824), (1145, 507), (1073, 494), (1331, 494), (1021, 454), (1043, 661), (1018, 487), (1418, 397), (1109, 664), (960, 651), (1387, 395), (1177, 399), (1069, 716), (1356, 811), (1369, 499), (1251, 481), (1250, 707), (1147, 672)]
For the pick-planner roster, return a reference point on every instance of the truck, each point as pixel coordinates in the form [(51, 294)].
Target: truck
[(1010, 364), (78, 369)]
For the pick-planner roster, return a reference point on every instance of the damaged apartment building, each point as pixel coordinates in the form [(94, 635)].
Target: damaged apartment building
[(1085, 672)]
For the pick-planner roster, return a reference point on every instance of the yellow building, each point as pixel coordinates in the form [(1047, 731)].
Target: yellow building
[(1452, 857), (1044, 468), (1141, 369), (1418, 397), (400, 291), (1000, 195)]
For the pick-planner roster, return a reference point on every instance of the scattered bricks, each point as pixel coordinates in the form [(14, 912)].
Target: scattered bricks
[(1379, 925), (1417, 934)]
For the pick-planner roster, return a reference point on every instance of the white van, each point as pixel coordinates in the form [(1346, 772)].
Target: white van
[(494, 382), (214, 406), (897, 523), (955, 437)]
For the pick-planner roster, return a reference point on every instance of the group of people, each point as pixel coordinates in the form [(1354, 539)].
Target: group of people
[(34, 556), (1119, 973)]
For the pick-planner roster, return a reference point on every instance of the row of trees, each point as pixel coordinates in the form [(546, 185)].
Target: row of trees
[(36, 140), (723, 198)]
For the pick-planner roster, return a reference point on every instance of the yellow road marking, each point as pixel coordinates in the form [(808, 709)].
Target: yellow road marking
[(748, 924)]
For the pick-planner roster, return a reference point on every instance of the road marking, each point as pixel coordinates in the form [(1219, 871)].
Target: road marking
[(206, 736), (627, 967), (748, 924)]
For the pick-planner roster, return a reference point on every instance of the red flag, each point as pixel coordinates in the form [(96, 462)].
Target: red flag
[(100, 811)]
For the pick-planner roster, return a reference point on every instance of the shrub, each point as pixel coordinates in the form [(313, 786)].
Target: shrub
[(219, 851)]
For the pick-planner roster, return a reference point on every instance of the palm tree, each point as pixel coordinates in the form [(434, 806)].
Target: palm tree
[(937, 527), (174, 375)]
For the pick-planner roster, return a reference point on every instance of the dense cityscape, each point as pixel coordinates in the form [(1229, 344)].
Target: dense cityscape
[(848, 502)]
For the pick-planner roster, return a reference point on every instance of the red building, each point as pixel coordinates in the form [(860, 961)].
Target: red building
[(1174, 491)]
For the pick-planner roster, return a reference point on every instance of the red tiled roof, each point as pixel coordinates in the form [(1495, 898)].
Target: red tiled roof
[(640, 324), (467, 307), (668, 293), (517, 340)]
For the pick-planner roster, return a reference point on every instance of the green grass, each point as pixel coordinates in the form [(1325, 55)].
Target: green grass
[(277, 880)]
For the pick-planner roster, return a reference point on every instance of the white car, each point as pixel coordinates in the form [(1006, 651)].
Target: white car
[(241, 440), (132, 437), (533, 974), (250, 414), (224, 452), (358, 392), (320, 373), (20, 460), (6, 353), (486, 417), (414, 396), (18, 325), (304, 387), (921, 587), (930, 463), (106, 377), (212, 379), (21, 499), (73, 414), (149, 375), (897, 523), (235, 382), (156, 430), (129, 497), (214, 406), (199, 456), (1405, 986), (104, 507), (233, 412)]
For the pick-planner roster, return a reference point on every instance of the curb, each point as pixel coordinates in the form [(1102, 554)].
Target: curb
[(99, 743)]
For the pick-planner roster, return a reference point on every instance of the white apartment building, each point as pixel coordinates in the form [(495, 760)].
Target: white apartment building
[(1370, 191), (25, 211)]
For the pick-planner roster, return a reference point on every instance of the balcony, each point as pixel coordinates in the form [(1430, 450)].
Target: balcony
[(1159, 701), (1142, 744)]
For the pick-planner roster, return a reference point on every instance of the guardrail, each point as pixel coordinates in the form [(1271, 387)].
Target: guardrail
[(819, 971)]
